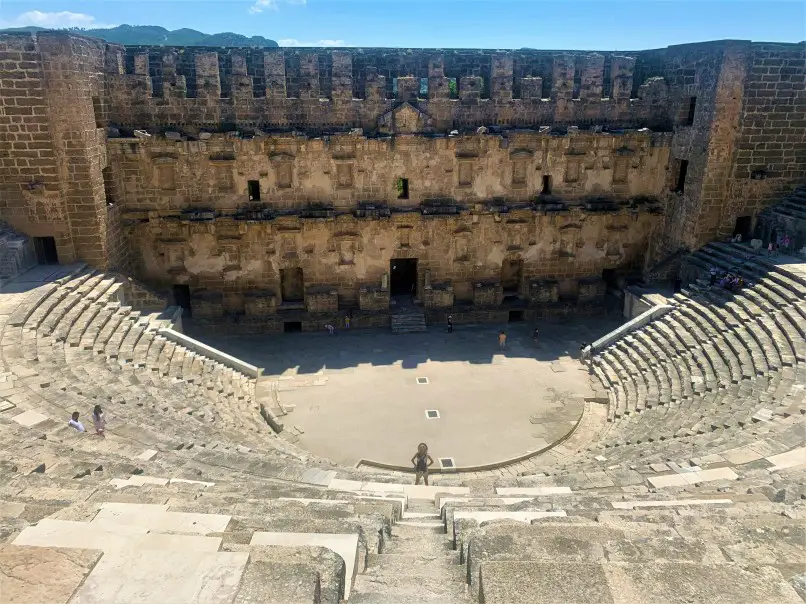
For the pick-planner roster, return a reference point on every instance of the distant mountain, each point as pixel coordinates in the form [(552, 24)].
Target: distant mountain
[(153, 35)]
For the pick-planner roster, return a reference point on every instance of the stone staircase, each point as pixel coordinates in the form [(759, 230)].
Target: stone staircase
[(793, 205), (418, 563), (410, 320)]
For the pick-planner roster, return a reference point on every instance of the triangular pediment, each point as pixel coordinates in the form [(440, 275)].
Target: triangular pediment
[(404, 119)]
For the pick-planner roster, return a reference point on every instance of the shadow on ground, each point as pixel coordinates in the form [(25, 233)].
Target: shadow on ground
[(305, 353)]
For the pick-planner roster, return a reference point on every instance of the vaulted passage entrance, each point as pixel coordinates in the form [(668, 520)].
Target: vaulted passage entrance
[(46, 250), (403, 277), (292, 286)]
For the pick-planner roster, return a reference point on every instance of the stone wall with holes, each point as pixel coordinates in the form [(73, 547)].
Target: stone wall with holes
[(54, 141), (338, 172)]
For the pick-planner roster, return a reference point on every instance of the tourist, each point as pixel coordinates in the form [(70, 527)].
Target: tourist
[(787, 242), (450, 324), (75, 423), (347, 322), (502, 340), (770, 248), (330, 329), (534, 335), (99, 421), (421, 461)]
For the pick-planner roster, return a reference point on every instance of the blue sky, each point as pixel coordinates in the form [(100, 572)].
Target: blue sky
[(571, 24)]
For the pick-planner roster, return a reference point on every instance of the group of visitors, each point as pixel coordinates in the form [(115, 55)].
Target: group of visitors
[(726, 280), (98, 421)]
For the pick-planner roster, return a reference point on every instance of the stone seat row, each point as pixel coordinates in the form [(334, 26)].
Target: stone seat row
[(645, 554)]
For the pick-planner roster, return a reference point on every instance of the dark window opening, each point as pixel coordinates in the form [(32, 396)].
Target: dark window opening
[(403, 281), (609, 278), (681, 176), (46, 250), (292, 326), (546, 190), (254, 190), (577, 91), (107, 174), (743, 227), (402, 188), (97, 108), (181, 298), (692, 107), (515, 316)]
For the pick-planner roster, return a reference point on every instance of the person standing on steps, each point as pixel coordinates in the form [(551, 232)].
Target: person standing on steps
[(421, 461), (534, 335), (73, 422), (502, 340), (450, 324), (99, 421)]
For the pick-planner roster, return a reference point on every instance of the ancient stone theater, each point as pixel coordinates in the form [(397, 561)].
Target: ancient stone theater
[(646, 210)]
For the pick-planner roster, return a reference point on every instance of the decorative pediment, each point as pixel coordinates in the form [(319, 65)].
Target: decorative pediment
[(404, 119), (281, 157), (521, 154)]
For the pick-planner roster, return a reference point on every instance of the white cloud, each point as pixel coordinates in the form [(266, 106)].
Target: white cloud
[(260, 5), (53, 20), (295, 42)]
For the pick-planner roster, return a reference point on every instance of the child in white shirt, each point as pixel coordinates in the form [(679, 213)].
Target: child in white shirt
[(75, 423)]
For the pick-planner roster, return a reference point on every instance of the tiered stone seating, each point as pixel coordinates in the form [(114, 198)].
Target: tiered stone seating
[(719, 361), (699, 463)]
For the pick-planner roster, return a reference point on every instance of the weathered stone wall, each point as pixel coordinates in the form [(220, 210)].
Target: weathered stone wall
[(54, 143), (567, 164), (323, 89), (346, 253), (339, 171), (744, 145), (770, 156), (119, 250)]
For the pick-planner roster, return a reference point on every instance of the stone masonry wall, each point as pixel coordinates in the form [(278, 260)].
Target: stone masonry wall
[(748, 118), (568, 163), (55, 152), (326, 90), (296, 172), (770, 156), (346, 253)]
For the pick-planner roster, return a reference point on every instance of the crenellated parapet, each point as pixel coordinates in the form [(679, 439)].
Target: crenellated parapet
[(325, 89)]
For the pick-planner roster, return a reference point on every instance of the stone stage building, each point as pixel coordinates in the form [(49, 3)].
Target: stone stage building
[(287, 188)]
